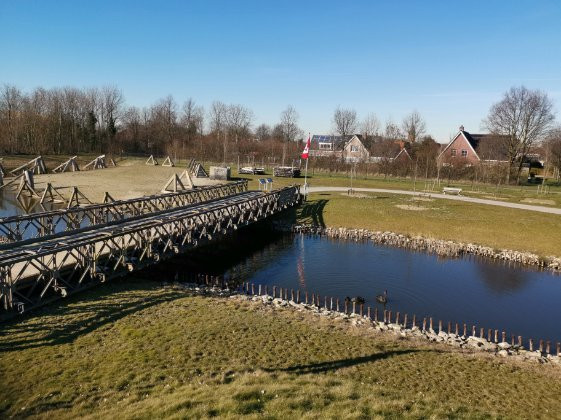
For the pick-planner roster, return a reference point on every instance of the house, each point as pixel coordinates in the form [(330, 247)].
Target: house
[(388, 151), (350, 149), (471, 149), (354, 150)]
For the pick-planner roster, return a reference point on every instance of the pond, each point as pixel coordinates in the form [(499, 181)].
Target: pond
[(520, 300)]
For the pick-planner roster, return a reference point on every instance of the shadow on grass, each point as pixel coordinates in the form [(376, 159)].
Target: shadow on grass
[(339, 364), (84, 313), (314, 211)]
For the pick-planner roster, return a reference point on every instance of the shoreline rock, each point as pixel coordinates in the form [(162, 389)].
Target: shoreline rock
[(500, 349), (440, 247)]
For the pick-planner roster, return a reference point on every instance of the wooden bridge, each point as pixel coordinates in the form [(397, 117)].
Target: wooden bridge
[(53, 254)]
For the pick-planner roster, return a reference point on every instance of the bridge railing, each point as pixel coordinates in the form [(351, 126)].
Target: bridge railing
[(33, 274), (37, 225)]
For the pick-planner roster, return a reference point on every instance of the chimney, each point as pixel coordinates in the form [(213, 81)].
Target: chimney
[(461, 128)]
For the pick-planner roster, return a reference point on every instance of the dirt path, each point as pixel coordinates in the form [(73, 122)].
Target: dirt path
[(446, 197), (122, 182)]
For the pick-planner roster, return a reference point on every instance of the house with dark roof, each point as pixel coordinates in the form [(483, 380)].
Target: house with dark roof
[(350, 149), (471, 149)]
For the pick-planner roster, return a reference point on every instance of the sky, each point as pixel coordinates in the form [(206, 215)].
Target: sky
[(448, 60)]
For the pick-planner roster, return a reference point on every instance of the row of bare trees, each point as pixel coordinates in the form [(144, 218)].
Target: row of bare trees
[(70, 120)]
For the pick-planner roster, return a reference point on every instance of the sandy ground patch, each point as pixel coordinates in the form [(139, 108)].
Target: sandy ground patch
[(538, 201), (410, 207), (122, 182), (490, 197)]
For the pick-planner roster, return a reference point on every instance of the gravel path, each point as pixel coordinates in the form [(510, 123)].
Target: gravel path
[(550, 210)]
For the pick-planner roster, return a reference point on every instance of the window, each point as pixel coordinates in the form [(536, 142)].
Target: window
[(453, 152), (354, 148), (325, 146), (464, 153)]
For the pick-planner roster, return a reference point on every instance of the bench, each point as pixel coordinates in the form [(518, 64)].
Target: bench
[(450, 190)]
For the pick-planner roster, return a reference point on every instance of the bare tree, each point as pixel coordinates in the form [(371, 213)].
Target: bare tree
[(239, 119), (192, 120), (370, 126), (414, 126), (522, 117), (345, 121), (553, 150), (263, 132), (290, 130), (392, 131)]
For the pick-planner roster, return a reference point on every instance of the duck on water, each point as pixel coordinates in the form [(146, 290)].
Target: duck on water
[(382, 298)]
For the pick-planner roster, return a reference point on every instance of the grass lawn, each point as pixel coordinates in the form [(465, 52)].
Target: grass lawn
[(133, 349), (498, 227)]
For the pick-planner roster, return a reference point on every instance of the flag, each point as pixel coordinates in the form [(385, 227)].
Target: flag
[(306, 151)]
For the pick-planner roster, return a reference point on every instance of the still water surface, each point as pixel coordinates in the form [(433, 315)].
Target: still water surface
[(520, 300)]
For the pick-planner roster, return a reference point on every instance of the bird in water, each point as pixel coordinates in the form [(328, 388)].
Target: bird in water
[(358, 299), (382, 298)]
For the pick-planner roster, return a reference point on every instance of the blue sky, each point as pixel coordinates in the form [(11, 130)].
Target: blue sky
[(448, 60)]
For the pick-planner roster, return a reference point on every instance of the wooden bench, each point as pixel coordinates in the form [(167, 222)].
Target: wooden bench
[(451, 190)]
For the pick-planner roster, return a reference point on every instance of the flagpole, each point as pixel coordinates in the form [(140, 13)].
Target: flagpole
[(306, 171)]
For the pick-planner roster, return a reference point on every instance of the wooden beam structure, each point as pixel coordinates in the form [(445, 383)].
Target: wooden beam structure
[(152, 161), (97, 163), (37, 166), (69, 165), (168, 162), (33, 274), (57, 222)]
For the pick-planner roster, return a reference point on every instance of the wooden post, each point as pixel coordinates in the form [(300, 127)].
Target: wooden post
[(541, 346), (346, 306), (449, 327), (457, 329), (547, 347), (389, 317), (337, 308), (331, 303), (481, 332), (520, 341), (267, 290), (376, 314), (558, 349), (439, 325), (397, 318), (531, 344), (325, 302), (503, 336), (306, 297), (361, 309), (313, 299), (385, 316), (496, 336), (512, 340), (298, 296), (465, 330), (354, 307), (286, 293), (490, 335), (414, 322), (368, 313), (274, 292), (292, 295), (405, 321), (253, 289)]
